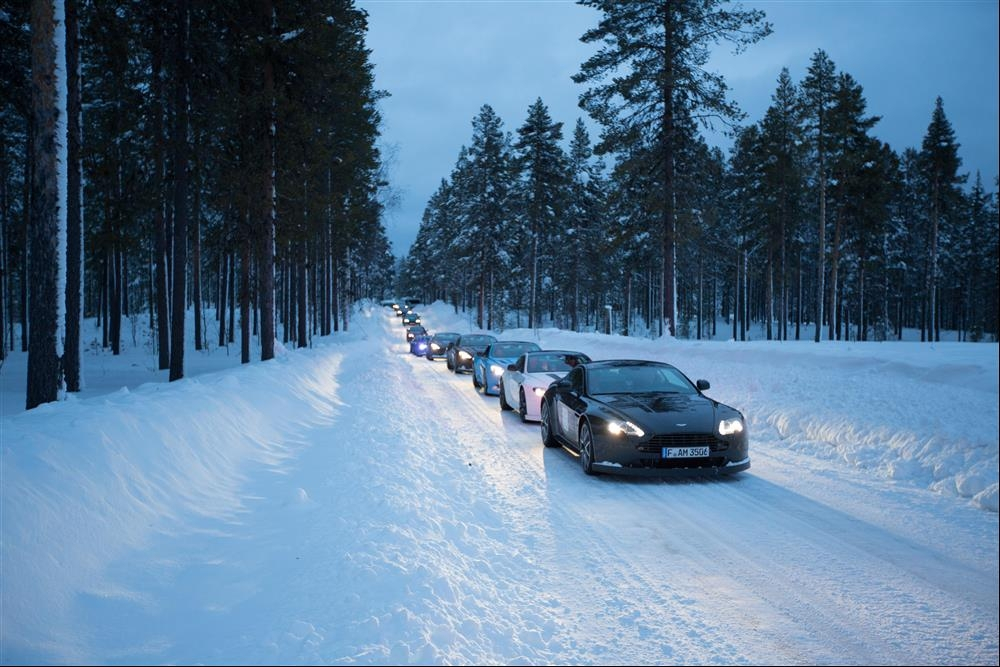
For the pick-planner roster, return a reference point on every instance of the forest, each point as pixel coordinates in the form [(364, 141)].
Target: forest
[(223, 159), (167, 157), (810, 219)]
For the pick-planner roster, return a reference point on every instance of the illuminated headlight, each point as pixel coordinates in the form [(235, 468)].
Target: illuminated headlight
[(463, 355), (435, 347), (730, 426), (496, 370), (625, 428), (421, 346), (539, 391)]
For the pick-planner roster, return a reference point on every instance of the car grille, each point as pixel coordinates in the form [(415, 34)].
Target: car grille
[(658, 442), (666, 464)]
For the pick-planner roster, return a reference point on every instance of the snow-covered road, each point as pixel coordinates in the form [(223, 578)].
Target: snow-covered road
[(401, 518)]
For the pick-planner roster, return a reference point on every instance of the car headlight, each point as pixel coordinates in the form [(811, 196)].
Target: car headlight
[(496, 370), (539, 391), (731, 426), (625, 428), (435, 347), (463, 355)]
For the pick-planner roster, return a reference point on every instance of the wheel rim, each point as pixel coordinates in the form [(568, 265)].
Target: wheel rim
[(522, 408), (545, 422), (586, 448)]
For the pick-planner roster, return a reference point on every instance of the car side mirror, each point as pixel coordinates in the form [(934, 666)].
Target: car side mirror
[(561, 385), (703, 385), (512, 367)]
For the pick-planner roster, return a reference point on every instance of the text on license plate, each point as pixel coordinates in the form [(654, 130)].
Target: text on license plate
[(685, 452)]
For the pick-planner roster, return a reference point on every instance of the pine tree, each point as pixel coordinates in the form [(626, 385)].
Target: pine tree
[(581, 252), (850, 155), (489, 191), (818, 91), (939, 164), (542, 164), (649, 72), (781, 139)]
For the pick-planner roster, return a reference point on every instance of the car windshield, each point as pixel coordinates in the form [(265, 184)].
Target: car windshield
[(512, 349), (638, 379), (553, 363), (477, 341)]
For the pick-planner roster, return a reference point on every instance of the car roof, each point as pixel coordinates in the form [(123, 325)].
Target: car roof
[(546, 351), (619, 363)]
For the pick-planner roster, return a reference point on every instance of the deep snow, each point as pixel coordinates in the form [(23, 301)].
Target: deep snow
[(353, 504)]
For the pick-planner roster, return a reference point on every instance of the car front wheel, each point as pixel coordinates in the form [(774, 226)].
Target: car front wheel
[(548, 438), (504, 405), (522, 405), (587, 449)]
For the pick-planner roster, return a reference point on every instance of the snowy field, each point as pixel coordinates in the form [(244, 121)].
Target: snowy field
[(350, 503)]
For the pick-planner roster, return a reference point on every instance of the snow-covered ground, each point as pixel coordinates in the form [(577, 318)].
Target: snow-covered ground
[(351, 503)]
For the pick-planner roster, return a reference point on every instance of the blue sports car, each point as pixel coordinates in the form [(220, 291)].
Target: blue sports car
[(489, 365)]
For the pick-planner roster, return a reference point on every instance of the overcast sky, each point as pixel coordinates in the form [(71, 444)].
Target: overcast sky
[(442, 60)]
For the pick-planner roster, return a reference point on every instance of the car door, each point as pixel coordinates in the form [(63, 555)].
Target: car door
[(512, 379), (570, 406)]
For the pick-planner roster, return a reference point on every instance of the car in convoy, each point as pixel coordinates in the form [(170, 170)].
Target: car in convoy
[(410, 318), (632, 416), (413, 331), (438, 344), (523, 382), (419, 344), (460, 354), (489, 365)]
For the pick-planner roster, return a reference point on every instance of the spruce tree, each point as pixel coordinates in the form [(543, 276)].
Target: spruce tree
[(543, 184), (939, 164), (818, 90), (649, 72)]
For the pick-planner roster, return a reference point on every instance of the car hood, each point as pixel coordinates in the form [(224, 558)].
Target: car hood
[(666, 411), (542, 379)]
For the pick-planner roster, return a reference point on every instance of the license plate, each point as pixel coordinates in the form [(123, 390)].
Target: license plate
[(685, 452)]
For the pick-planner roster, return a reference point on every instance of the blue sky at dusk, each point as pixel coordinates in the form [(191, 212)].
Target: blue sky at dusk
[(442, 60)]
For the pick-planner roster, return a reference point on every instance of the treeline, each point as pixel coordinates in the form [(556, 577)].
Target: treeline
[(164, 158), (811, 220)]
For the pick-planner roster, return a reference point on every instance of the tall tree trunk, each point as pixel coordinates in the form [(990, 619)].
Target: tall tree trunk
[(115, 297), (74, 205), (834, 328), (160, 236), (303, 285), (245, 301), (44, 373), (669, 298), (821, 259), (220, 309), (178, 305), (196, 271), (265, 258), (933, 330)]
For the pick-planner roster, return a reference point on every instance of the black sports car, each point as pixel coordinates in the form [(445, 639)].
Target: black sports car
[(640, 417), (437, 346), (459, 355)]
